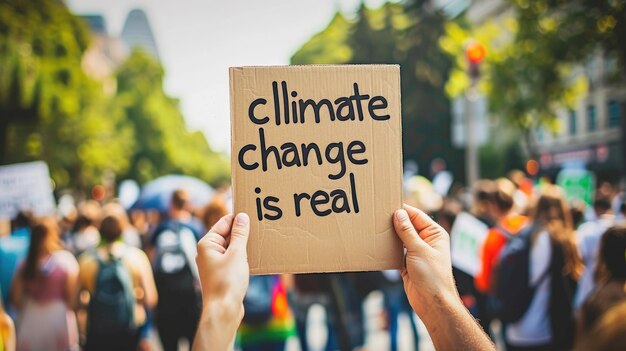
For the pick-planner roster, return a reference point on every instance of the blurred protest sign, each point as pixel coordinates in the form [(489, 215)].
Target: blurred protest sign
[(25, 186), (466, 239), (578, 184), (317, 164)]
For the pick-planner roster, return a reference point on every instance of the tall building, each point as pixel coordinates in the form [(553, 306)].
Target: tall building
[(138, 34), (104, 54)]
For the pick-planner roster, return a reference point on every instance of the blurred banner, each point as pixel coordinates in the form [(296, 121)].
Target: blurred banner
[(466, 239), (25, 186)]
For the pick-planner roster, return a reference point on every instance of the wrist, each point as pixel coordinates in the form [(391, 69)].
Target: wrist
[(218, 325), (432, 305)]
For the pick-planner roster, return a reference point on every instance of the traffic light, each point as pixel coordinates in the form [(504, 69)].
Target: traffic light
[(475, 53)]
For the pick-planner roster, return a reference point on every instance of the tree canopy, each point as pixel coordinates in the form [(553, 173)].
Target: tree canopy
[(406, 34), (51, 110)]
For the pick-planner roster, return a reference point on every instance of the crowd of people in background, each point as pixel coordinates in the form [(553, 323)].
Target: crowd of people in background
[(552, 276)]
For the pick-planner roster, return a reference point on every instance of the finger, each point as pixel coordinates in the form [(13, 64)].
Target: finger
[(222, 227), (213, 247), (406, 231), (239, 233), (420, 220), (216, 238), (208, 248), (428, 230)]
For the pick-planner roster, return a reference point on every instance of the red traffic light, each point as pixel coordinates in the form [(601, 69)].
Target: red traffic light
[(475, 52)]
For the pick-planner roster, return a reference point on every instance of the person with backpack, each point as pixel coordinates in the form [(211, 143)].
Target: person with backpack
[(538, 270), (173, 250), (507, 223), (44, 292), (119, 281)]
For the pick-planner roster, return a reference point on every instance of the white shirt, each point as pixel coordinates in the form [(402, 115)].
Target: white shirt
[(589, 234), (534, 327)]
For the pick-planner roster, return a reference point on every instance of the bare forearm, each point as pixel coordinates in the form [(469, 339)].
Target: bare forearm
[(217, 328), (451, 327)]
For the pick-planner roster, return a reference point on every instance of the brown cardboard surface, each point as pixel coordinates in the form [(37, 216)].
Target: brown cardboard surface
[(326, 242)]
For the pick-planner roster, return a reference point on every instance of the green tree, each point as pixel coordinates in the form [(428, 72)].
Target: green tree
[(406, 34), (49, 109), (162, 145)]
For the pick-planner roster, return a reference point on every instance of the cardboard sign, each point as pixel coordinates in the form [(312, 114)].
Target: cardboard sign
[(466, 239), (317, 164), (25, 186)]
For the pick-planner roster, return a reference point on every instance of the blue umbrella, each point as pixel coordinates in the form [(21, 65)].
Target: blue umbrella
[(157, 193)]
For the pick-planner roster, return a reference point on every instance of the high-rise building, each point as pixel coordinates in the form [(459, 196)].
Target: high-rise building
[(138, 34), (104, 54)]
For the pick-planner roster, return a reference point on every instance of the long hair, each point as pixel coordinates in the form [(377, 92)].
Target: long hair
[(551, 213), (44, 239), (612, 255)]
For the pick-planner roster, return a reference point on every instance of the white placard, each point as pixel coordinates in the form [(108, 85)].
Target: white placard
[(466, 238), (25, 186)]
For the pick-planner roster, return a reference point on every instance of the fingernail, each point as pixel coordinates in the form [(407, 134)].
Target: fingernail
[(242, 219), (401, 215)]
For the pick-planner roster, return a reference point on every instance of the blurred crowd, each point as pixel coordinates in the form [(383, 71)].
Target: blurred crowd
[(551, 276)]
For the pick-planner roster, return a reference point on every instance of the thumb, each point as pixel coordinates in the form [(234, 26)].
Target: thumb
[(406, 231), (239, 233)]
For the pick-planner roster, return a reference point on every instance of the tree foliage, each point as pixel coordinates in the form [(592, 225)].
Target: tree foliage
[(163, 145), (406, 34), (532, 69), (51, 110)]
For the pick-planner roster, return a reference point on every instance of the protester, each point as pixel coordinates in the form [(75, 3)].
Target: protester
[(396, 303), (119, 281), (505, 223), (13, 249), (85, 235), (589, 236), (313, 289), (428, 282), (130, 235), (554, 267), (608, 334), (611, 280), (214, 210), (180, 213), (173, 250), (7, 331), (44, 291)]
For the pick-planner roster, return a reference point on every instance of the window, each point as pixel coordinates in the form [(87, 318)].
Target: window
[(614, 114), (591, 118), (572, 122)]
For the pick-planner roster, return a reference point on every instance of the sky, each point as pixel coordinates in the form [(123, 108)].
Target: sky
[(198, 40)]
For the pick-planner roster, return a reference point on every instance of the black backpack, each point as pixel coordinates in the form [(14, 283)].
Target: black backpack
[(257, 303), (512, 292), (112, 304), (176, 284)]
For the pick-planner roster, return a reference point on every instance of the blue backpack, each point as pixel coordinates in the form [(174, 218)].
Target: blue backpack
[(512, 291), (112, 304)]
